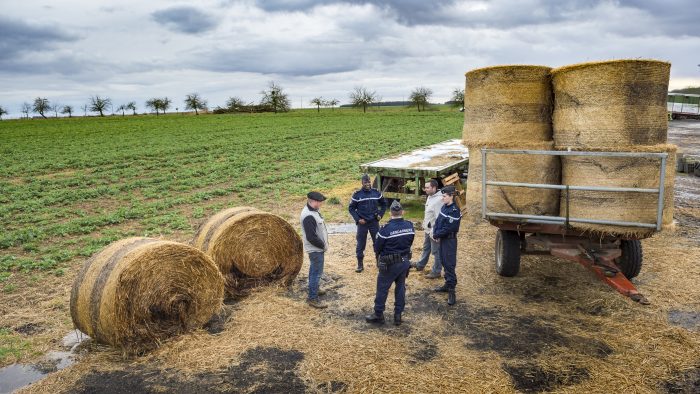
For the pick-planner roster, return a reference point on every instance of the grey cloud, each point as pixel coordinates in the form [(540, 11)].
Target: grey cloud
[(672, 17), (185, 19), (18, 37)]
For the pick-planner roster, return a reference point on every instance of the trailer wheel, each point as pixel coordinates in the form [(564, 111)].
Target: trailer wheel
[(631, 260), (507, 253)]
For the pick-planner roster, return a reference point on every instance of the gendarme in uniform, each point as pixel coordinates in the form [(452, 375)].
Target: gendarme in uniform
[(445, 232), (367, 206)]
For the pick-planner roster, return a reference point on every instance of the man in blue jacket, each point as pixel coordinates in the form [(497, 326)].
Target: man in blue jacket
[(393, 246), (367, 206), (445, 232)]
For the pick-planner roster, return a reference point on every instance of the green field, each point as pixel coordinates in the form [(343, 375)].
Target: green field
[(71, 186)]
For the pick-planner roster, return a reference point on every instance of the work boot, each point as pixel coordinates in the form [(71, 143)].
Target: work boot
[(397, 319), (441, 289), (375, 318), (321, 292), (451, 297), (416, 267), (432, 275), (360, 266), (315, 303)]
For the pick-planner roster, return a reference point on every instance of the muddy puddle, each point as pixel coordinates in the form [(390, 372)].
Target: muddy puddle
[(16, 376)]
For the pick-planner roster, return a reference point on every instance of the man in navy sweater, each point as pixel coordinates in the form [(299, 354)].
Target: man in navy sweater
[(393, 246), (367, 206)]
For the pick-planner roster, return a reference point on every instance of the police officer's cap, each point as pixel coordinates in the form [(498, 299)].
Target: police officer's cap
[(316, 196), (449, 190), (365, 178), (396, 206)]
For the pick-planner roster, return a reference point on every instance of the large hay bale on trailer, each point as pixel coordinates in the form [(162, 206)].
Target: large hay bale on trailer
[(606, 105), (507, 104), (139, 291), (514, 168), (624, 206), (251, 247)]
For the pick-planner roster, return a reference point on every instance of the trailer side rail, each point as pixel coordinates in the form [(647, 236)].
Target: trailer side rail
[(545, 219)]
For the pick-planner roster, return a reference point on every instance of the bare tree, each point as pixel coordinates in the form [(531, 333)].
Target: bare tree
[(54, 109), (26, 109), (361, 97), (99, 104), (235, 103), (332, 103), (3, 111), (195, 102), (420, 97), (318, 102), (122, 108), (67, 109), (132, 106), (457, 98), (41, 105), (153, 104), (158, 104), (165, 104), (84, 107), (275, 98)]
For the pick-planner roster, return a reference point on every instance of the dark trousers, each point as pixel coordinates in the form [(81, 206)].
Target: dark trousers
[(396, 273), (362, 229), (448, 257)]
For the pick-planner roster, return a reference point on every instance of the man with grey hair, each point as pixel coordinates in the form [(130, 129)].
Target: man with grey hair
[(433, 204), (315, 239)]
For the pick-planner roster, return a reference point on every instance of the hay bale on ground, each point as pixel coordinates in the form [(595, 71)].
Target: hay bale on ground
[(514, 168), (251, 247), (618, 172), (507, 104), (139, 291), (605, 105)]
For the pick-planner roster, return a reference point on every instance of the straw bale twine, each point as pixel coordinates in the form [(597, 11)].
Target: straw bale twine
[(514, 168), (139, 291), (605, 105), (627, 206), (251, 247), (507, 104)]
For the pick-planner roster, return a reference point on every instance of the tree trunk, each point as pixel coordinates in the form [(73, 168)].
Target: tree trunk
[(195, 111)]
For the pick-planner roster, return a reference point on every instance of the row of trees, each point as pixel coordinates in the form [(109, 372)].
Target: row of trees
[(274, 99)]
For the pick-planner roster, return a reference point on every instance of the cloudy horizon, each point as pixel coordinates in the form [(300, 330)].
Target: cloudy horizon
[(221, 48)]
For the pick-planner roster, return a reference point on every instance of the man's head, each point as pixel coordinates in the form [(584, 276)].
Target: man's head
[(366, 182), (430, 187), (396, 209), (315, 199), (448, 193)]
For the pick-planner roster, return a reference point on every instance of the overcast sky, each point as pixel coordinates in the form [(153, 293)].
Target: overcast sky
[(69, 50)]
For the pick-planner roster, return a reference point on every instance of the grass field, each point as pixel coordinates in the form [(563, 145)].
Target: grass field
[(68, 187)]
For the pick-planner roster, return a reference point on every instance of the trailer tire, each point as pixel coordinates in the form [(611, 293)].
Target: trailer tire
[(507, 253), (631, 260)]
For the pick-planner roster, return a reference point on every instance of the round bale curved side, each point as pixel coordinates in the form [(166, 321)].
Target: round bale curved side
[(514, 168), (507, 104), (606, 105), (139, 291), (625, 206), (251, 247)]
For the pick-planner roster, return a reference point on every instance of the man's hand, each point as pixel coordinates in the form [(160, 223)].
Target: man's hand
[(379, 217), (362, 221)]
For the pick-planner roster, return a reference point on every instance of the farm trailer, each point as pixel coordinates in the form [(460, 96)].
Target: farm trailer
[(403, 176), (613, 259)]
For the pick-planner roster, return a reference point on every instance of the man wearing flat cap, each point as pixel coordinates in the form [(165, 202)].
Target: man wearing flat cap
[(445, 232), (315, 239), (367, 206), (393, 246)]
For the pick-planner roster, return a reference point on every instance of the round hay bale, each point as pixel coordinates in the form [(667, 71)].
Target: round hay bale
[(514, 168), (507, 104), (627, 206), (607, 105), (139, 291), (251, 247)]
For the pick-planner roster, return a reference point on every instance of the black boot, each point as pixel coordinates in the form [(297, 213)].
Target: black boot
[(451, 297), (441, 289), (360, 266), (375, 318), (397, 319)]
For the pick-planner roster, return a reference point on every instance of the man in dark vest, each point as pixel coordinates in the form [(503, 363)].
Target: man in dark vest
[(367, 206), (393, 246)]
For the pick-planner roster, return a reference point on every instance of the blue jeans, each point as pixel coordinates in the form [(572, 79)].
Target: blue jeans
[(372, 227), (315, 272), (430, 247), (396, 273)]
